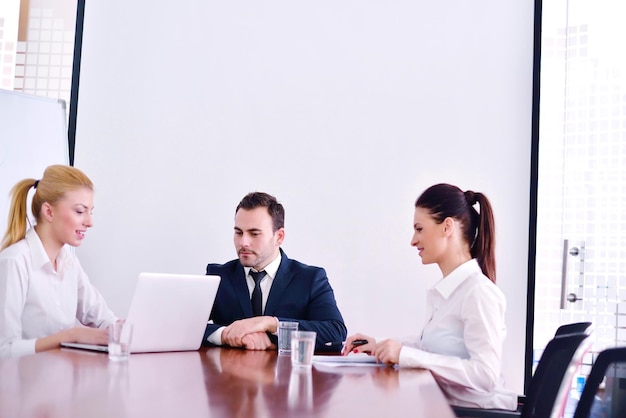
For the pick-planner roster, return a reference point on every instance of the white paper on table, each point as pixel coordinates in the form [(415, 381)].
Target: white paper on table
[(353, 359)]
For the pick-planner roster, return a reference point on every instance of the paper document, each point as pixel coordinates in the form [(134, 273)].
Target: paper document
[(351, 359)]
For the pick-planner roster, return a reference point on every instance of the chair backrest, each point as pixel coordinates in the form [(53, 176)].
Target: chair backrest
[(575, 328), (551, 382), (610, 367)]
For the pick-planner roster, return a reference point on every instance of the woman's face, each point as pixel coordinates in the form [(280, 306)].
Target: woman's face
[(71, 216), (428, 236)]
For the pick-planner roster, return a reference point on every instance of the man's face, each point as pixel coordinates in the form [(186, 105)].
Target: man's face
[(255, 241)]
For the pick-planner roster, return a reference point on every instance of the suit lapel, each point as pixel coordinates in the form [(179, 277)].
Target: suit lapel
[(283, 277), (242, 291)]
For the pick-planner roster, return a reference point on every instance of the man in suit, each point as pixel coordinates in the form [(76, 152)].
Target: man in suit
[(249, 305)]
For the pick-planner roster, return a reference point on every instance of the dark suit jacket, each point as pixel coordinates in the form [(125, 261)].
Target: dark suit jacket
[(299, 293)]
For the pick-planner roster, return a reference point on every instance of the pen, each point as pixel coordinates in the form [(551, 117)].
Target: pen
[(355, 343)]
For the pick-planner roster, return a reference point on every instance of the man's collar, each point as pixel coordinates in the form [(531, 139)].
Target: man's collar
[(271, 269)]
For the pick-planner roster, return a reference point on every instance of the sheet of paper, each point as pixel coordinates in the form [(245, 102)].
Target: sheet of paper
[(351, 359)]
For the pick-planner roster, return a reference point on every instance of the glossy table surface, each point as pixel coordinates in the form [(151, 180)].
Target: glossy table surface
[(214, 382)]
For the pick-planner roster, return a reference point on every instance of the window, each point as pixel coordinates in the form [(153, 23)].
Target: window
[(37, 46), (581, 224)]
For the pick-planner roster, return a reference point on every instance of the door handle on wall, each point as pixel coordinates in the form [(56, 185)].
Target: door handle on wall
[(574, 252), (564, 274), (573, 297)]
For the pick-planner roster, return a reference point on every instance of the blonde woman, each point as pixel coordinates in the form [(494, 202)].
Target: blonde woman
[(45, 294)]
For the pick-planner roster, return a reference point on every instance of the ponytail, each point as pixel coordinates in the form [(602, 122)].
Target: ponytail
[(484, 244), (16, 229)]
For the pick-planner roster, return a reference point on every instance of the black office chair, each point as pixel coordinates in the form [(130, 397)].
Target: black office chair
[(575, 328), (550, 383), (585, 328), (610, 367)]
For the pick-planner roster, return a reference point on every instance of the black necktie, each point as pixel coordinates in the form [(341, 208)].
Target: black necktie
[(257, 297)]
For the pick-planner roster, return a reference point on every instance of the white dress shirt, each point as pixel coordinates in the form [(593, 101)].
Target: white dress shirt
[(266, 285), (461, 344), (266, 282), (36, 301)]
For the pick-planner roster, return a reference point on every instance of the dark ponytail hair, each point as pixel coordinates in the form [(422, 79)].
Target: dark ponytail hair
[(448, 201)]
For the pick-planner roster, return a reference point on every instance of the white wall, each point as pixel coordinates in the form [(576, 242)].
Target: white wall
[(345, 110)]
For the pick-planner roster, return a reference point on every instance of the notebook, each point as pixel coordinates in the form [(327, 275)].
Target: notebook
[(169, 312)]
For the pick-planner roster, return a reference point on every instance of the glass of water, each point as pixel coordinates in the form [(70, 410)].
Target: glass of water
[(284, 336), (120, 336), (302, 349)]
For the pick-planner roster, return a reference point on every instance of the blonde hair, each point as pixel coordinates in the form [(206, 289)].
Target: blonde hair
[(57, 180)]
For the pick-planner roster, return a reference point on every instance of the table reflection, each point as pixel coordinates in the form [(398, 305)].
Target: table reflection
[(69, 374), (215, 382), (74, 383), (403, 391), (168, 384), (263, 381)]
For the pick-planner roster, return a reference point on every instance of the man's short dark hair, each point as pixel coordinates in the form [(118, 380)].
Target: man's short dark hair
[(263, 200)]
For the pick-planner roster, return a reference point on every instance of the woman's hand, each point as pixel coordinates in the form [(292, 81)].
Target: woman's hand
[(85, 335), (82, 335), (350, 347), (387, 352)]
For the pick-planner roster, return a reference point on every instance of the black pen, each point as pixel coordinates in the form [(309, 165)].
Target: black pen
[(355, 343)]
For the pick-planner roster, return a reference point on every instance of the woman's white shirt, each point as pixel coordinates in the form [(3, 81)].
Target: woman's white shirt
[(37, 301), (461, 344)]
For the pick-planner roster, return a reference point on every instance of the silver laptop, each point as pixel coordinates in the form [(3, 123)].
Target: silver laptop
[(169, 312)]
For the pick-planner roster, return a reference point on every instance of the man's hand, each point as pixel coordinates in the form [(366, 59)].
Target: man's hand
[(257, 341), (233, 334)]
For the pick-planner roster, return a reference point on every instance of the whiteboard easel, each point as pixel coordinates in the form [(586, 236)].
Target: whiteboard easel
[(33, 135)]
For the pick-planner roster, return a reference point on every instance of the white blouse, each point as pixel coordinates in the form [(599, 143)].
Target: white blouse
[(461, 344), (36, 301)]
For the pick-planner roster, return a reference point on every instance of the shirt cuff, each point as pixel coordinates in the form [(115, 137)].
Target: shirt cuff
[(17, 348), (277, 324), (216, 337), (412, 357)]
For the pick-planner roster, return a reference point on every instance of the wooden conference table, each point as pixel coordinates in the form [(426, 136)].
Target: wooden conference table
[(214, 382)]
